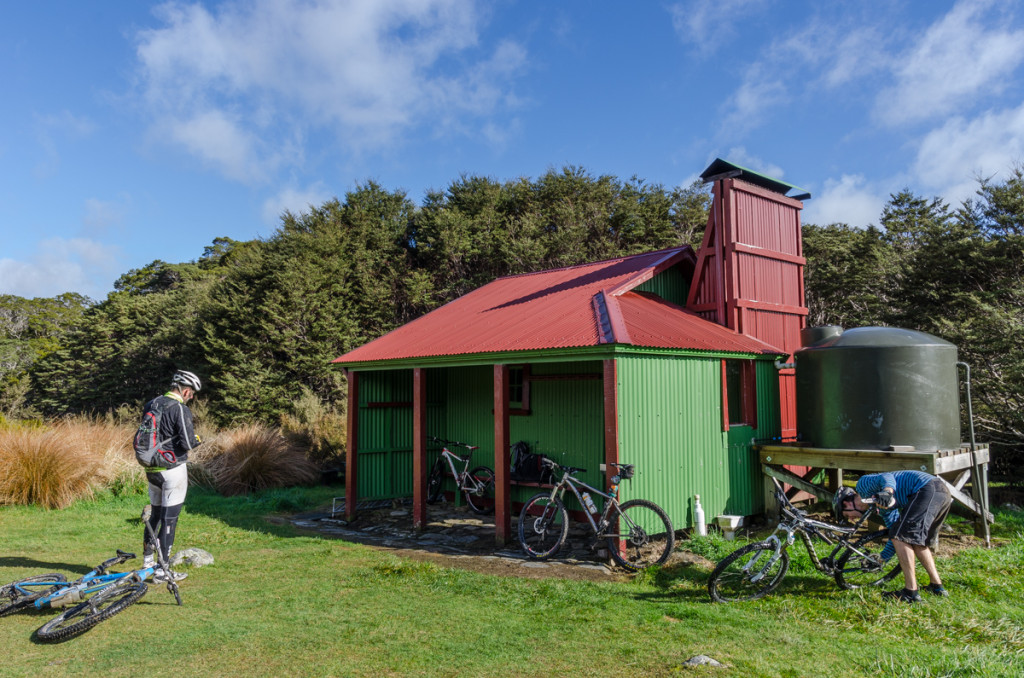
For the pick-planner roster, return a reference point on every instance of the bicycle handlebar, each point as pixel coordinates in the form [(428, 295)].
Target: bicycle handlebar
[(453, 442)]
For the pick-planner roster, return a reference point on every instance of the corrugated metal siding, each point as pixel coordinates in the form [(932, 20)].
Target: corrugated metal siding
[(566, 420), (385, 430), (670, 426), (766, 222), (672, 284)]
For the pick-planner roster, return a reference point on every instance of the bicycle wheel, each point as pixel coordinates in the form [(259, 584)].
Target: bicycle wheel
[(435, 482), (646, 533), (103, 605), (481, 500), (745, 574), (860, 564), (13, 598), (543, 526)]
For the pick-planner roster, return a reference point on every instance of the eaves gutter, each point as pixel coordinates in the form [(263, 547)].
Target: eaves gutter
[(581, 353)]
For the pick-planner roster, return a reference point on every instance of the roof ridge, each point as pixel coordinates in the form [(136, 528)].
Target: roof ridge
[(589, 263)]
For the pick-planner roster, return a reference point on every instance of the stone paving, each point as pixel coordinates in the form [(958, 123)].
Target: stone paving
[(453, 531)]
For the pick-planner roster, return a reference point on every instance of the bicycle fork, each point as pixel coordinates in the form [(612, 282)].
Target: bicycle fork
[(761, 572)]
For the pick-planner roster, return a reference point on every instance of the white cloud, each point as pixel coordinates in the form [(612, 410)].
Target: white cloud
[(295, 201), (708, 24), (61, 265), (858, 53), (849, 200), (740, 156), (234, 84), (222, 143), (952, 157), (748, 105), (958, 60)]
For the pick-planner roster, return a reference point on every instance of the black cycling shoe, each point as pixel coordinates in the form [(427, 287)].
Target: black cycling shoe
[(904, 595), (937, 590)]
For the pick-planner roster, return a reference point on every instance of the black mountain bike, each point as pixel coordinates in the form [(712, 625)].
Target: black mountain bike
[(639, 533), (755, 570)]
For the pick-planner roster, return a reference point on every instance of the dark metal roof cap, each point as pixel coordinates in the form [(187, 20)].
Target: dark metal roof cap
[(881, 337), (725, 169)]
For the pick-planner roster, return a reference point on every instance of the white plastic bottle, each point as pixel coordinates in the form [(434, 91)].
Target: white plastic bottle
[(698, 516)]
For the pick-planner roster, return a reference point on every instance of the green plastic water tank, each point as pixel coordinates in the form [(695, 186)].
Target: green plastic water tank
[(877, 388)]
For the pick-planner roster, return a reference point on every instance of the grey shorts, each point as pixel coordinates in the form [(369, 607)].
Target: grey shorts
[(923, 515)]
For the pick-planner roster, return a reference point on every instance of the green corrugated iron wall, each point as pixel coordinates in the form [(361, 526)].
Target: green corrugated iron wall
[(672, 285), (385, 429), (670, 425), (566, 421)]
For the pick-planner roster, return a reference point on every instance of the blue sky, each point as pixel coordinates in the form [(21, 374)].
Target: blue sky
[(134, 131)]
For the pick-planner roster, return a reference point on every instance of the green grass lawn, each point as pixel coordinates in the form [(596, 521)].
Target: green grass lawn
[(280, 604)]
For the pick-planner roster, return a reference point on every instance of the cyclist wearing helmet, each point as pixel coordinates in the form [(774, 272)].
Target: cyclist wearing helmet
[(168, 485), (913, 505)]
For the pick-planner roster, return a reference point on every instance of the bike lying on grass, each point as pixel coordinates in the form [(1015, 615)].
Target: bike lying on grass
[(639, 532), (755, 570), (94, 597), (478, 484)]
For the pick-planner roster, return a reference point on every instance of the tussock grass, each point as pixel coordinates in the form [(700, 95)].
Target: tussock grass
[(249, 459), (52, 468)]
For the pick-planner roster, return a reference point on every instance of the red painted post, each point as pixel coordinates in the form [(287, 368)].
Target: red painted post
[(351, 444), (611, 418), (502, 489), (611, 426), (419, 448)]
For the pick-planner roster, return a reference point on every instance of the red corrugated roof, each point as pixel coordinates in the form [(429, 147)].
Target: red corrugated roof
[(586, 305)]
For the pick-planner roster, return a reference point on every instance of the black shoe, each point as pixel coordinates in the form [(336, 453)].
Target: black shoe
[(904, 595), (937, 590)]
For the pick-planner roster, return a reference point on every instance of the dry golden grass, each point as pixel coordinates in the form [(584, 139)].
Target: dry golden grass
[(251, 458), (51, 467)]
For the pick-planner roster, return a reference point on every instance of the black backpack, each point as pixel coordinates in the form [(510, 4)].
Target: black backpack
[(149, 451), (527, 466)]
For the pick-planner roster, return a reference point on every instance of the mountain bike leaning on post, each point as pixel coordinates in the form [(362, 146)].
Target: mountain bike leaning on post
[(642, 525), (478, 484), (755, 570), (94, 597)]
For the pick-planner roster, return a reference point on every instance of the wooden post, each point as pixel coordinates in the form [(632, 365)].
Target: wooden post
[(502, 488), (351, 444), (419, 448), (611, 418), (611, 425)]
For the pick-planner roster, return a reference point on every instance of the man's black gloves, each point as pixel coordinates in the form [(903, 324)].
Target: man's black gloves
[(885, 499)]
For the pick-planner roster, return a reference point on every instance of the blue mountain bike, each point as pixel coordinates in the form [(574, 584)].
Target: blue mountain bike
[(94, 597)]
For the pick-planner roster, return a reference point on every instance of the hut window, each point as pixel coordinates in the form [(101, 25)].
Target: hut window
[(519, 389), (740, 393)]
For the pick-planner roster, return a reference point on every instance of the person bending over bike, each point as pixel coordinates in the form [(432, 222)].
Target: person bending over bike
[(168, 485), (913, 505)]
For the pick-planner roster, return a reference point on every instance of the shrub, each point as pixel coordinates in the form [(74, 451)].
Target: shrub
[(316, 426), (251, 458), (52, 467)]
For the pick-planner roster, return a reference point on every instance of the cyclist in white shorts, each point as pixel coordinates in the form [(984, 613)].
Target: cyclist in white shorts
[(168, 485)]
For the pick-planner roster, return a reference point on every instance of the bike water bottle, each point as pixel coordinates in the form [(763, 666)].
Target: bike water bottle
[(589, 503), (698, 516)]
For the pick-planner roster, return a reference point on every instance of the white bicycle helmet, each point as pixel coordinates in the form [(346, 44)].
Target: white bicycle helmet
[(186, 379)]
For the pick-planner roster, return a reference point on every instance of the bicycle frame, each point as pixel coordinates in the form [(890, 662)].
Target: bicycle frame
[(611, 505), (796, 523), (74, 592), (463, 480)]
